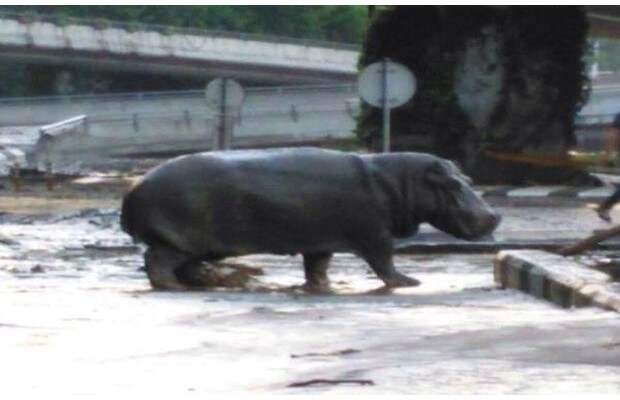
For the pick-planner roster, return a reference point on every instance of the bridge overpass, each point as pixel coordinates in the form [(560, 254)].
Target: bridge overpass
[(157, 49), (174, 51)]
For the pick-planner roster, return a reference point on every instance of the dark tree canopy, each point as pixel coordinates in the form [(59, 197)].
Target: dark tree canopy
[(499, 78)]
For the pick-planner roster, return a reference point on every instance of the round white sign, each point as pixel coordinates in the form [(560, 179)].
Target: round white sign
[(224, 92), (400, 84)]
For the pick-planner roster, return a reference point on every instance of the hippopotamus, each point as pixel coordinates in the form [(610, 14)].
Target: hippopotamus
[(308, 201)]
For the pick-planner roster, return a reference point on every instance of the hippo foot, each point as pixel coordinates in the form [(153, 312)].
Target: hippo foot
[(161, 263), (164, 280), (400, 280), (311, 288), (170, 285), (383, 290)]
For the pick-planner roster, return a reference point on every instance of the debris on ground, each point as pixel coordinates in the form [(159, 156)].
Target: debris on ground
[(37, 269), (591, 241), (313, 382), (7, 240), (604, 261), (333, 353), (225, 275)]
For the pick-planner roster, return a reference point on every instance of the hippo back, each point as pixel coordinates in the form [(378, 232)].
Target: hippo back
[(251, 201)]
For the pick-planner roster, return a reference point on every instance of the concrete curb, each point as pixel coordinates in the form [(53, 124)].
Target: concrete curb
[(552, 192), (557, 279), (493, 247)]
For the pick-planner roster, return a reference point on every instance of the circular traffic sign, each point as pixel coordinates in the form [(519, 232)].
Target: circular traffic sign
[(386, 77), (224, 92)]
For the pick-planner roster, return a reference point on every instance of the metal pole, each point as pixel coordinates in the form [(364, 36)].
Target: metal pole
[(386, 109), (230, 122), (221, 145)]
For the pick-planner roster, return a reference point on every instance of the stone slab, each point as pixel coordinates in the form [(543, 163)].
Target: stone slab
[(534, 191), (601, 192), (559, 280), (457, 246)]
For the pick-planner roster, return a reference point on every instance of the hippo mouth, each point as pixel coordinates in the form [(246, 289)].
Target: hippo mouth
[(478, 227), (468, 223)]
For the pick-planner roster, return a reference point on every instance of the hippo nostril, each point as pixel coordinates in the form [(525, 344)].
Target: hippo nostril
[(491, 223), (497, 219), (487, 225)]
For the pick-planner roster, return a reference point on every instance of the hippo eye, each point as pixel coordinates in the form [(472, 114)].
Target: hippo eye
[(449, 183), (454, 183), (455, 171)]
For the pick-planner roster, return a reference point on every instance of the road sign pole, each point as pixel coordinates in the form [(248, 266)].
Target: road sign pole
[(386, 85), (221, 140), (224, 97), (386, 108)]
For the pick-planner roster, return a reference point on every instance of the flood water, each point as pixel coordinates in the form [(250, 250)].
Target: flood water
[(77, 317)]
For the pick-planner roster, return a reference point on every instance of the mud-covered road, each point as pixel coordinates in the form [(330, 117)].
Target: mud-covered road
[(77, 316)]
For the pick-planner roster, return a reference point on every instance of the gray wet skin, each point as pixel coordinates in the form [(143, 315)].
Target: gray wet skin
[(208, 206)]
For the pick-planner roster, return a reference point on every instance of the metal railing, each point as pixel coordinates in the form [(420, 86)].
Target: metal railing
[(102, 24), (294, 113), (158, 95)]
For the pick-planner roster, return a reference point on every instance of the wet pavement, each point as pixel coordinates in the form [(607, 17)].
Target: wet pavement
[(77, 317)]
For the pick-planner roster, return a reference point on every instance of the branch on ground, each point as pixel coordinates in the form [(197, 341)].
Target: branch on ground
[(589, 242), (363, 382)]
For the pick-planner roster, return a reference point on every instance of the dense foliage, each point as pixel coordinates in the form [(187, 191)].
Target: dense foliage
[(332, 23), (533, 82)]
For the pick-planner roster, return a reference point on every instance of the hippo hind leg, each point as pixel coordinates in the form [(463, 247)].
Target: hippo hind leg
[(379, 258), (315, 269), (191, 272), (161, 264)]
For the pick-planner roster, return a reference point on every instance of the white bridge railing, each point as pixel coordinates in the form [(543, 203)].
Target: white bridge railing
[(62, 21), (156, 43)]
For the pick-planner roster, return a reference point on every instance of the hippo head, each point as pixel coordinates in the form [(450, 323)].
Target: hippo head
[(451, 205)]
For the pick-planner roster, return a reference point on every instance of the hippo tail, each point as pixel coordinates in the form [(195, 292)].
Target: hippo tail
[(127, 222), (132, 220)]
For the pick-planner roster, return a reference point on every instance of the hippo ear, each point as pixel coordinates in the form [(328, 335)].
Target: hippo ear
[(455, 171)]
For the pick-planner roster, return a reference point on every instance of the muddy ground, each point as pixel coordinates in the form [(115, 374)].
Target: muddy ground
[(77, 316)]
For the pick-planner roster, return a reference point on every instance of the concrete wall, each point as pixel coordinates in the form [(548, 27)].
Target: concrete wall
[(35, 111), (181, 121)]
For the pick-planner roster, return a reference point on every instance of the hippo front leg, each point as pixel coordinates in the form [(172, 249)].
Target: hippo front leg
[(315, 269), (161, 263), (379, 258)]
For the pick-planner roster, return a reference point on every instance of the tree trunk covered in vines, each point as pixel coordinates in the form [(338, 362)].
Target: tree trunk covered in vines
[(505, 79)]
